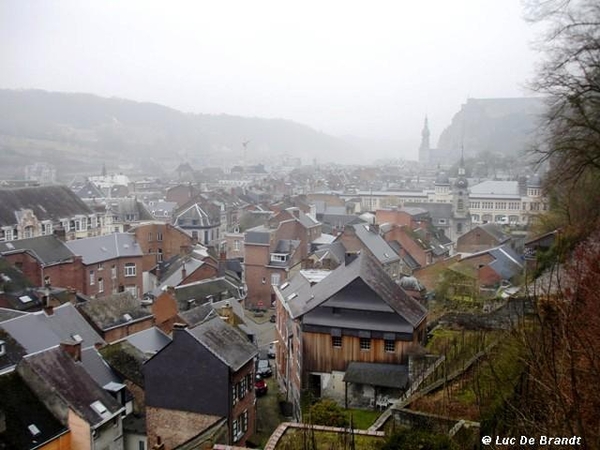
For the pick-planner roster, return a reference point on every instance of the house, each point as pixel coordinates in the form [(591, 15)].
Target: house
[(182, 193), (112, 263), (45, 261), (178, 408), (495, 265), (41, 330), (117, 316), (42, 210), (481, 237), (201, 220), (58, 379), (356, 314), (363, 237), (194, 266), (160, 242), (25, 422), (417, 247)]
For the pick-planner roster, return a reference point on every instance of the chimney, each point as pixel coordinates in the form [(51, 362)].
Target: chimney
[(159, 444), (178, 328), (222, 263), (73, 349), (183, 272), (349, 257), (49, 310), (227, 313), (60, 233)]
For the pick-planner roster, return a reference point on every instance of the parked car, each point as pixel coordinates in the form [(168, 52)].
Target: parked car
[(271, 351), (263, 368), (260, 386)]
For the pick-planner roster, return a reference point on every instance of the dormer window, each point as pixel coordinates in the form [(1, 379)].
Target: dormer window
[(279, 257), (2, 348)]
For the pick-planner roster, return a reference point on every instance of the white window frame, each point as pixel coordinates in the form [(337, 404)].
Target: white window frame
[(92, 278), (130, 270), (100, 284), (275, 279)]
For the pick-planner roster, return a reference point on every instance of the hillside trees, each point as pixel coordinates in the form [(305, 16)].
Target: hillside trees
[(570, 140)]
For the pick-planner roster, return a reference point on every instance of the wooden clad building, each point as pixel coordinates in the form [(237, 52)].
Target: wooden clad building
[(355, 314)]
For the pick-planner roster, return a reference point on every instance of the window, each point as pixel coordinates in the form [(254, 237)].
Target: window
[(159, 255), (150, 236), (460, 204), (130, 269), (275, 279), (28, 232), (132, 290), (459, 227), (234, 394), (242, 388), (92, 278), (336, 341), (365, 344), (159, 236), (46, 228), (100, 285), (113, 272), (389, 346), (100, 266), (141, 445), (236, 245)]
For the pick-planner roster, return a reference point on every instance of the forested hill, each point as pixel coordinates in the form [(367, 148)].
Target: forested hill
[(84, 129)]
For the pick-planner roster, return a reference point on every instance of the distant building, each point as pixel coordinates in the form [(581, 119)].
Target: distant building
[(43, 173)]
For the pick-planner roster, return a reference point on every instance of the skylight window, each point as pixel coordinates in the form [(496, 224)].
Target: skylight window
[(35, 431), (127, 317), (284, 285), (292, 296), (99, 407), (77, 338), (25, 299)]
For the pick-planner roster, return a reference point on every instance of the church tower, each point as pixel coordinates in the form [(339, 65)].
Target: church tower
[(424, 148), (460, 202)]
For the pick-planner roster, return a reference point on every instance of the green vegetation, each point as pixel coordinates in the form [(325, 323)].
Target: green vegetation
[(309, 439), (409, 439)]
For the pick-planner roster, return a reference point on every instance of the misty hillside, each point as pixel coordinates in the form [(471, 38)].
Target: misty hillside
[(501, 125), (85, 130)]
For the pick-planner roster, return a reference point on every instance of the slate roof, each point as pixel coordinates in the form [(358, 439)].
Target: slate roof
[(225, 342), (494, 231), (436, 210), (97, 368), (198, 314), (46, 249), (507, 263), (87, 190), (127, 360), (22, 408), (307, 298), (198, 215), (200, 290), (495, 189), (257, 235), (380, 249), (375, 374), (39, 331), (104, 248), (46, 202), (68, 380), (7, 314), (13, 351), (149, 341), (109, 312)]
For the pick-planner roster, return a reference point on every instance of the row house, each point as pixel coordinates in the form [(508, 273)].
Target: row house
[(355, 320), (38, 211), (111, 263), (213, 354), (273, 252), (201, 220)]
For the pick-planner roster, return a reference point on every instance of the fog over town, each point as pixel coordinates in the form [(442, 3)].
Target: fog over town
[(299, 226)]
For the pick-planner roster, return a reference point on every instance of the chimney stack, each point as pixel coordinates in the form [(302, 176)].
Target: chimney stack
[(227, 313), (183, 272), (73, 349)]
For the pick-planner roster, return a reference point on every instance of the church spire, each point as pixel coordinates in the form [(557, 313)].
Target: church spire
[(425, 146)]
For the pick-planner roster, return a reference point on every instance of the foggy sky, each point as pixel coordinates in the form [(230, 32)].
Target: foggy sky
[(372, 69)]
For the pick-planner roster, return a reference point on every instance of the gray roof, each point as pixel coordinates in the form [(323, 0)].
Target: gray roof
[(97, 368), (7, 314), (47, 203), (173, 275), (436, 210), (197, 215), (495, 231), (46, 249), (149, 341), (374, 374), (109, 312), (104, 248), (257, 235), (198, 314), (307, 298), (226, 342), (39, 331), (72, 384), (220, 288), (380, 249), (87, 190), (500, 189)]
